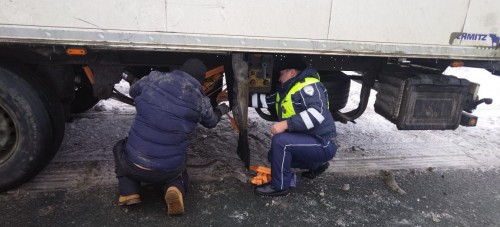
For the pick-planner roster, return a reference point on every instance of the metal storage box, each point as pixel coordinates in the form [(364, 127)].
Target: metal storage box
[(421, 101)]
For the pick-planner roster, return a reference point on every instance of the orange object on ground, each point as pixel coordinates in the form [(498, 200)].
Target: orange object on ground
[(263, 175)]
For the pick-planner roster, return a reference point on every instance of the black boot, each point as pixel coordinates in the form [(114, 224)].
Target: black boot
[(311, 174), (269, 190)]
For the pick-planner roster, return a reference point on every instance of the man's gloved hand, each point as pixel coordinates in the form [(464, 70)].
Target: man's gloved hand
[(221, 110)]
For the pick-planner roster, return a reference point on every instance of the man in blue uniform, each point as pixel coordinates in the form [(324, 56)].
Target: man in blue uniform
[(169, 106), (305, 133)]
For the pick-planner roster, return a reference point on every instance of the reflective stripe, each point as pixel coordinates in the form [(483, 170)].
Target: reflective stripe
[(307, 120), (282, 165), (316, 114), (254, 101), (316, 85), (278, 103), (263, 100)]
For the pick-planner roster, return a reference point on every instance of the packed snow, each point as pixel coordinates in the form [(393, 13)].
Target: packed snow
[(368, 146), (372, 143)]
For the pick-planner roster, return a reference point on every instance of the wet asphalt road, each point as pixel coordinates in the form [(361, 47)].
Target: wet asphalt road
[(434, 198), (78, 188)]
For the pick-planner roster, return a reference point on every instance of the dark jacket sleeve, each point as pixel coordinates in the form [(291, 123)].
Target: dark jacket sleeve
[(314, 112), (208, 117), (136, 88)]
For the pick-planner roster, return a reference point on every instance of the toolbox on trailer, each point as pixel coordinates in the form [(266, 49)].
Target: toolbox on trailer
[(421, 101)]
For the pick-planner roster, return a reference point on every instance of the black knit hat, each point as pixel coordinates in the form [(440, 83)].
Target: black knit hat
[(195, 68), (292, 62)]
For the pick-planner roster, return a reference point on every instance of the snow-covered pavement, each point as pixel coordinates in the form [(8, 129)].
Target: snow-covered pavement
[(370, 145)]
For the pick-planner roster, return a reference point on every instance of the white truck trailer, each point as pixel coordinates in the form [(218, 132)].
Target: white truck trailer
[(59, 57)]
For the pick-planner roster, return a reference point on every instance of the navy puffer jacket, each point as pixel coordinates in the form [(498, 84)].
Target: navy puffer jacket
[(169, 106)]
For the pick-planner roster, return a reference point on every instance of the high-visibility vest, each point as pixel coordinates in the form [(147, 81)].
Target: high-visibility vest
[(286, 103)]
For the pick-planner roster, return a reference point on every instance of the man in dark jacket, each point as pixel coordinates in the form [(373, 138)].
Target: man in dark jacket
[(169, 106), (305, 133)]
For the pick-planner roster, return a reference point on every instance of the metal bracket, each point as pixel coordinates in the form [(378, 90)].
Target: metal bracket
[(105, 77)]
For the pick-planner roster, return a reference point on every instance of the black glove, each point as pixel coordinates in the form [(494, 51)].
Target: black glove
[(221, 110)]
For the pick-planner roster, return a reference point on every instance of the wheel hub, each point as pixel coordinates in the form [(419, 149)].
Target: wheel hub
[(7, 135)]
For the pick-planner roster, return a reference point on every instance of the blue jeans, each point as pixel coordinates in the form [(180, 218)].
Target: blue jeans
[(130, 176), (297, 150)]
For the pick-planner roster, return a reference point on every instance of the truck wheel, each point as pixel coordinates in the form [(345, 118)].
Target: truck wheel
[(54, 108), (338, 85), (84, 94), (26, 130)]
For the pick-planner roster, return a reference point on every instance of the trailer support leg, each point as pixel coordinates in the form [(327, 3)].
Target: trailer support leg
[(240, 110)]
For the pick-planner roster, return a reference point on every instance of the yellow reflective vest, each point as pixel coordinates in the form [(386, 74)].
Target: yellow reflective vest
[(286, 104)]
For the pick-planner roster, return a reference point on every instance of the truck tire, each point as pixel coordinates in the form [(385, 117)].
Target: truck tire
[(55, 109), (272, 116), (338, 86), (84, 94), (27, 137)]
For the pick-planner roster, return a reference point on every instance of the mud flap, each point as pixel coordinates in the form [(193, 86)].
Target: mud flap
[(240, 110)]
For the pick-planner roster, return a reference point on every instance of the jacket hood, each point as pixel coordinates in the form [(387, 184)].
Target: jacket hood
[(308, 72)]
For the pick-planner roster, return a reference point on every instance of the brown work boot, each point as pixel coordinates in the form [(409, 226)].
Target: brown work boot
[(174, 200), (129, 199)]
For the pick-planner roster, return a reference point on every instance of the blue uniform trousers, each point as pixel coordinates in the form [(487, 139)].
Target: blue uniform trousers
[(297, 150)]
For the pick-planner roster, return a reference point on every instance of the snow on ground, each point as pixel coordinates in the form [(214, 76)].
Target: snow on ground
[(375, 143), (114, 106), (366, 147), (371, 144)]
